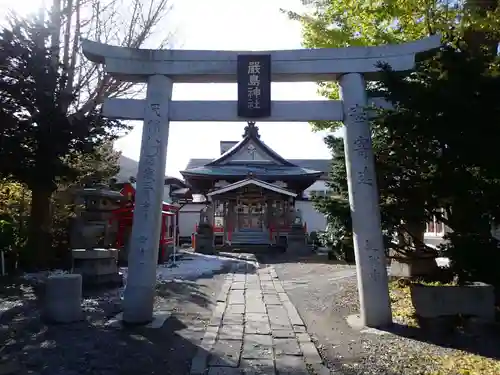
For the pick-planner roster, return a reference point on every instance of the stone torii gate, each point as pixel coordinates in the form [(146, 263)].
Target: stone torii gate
[(161, 68)]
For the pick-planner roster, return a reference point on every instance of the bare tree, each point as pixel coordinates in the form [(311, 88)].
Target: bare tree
[(79, 86), (127, 23)]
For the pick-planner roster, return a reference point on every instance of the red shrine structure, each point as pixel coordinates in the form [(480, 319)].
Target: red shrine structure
[(124, 217)]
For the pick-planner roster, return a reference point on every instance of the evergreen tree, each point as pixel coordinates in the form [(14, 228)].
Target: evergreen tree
[(344, 23), (39, 142)]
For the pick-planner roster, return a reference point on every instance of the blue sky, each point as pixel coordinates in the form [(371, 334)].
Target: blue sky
[(231, 25)]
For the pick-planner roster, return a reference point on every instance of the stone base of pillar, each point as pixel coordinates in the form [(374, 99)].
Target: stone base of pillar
[(137, 304)]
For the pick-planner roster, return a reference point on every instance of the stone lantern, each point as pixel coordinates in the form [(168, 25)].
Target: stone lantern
[(93, 235)]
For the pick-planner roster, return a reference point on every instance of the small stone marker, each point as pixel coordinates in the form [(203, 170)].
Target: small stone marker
[(63, 298)]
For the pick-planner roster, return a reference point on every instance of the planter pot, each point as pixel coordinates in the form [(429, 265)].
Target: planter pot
[(413, 267), (476, 300)]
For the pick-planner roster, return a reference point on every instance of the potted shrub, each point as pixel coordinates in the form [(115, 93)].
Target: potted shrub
[(474, 261), (413, 264)]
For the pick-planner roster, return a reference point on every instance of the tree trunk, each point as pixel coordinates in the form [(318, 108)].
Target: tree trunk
[(39, 228)]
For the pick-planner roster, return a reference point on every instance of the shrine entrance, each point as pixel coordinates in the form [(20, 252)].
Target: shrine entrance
[(252, 209), (159, 69), (250, 213)]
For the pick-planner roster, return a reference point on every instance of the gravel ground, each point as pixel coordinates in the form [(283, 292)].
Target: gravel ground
[(90, 347), (324, 294)]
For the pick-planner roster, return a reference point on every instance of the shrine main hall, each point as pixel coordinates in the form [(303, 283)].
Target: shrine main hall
[(254, 195)]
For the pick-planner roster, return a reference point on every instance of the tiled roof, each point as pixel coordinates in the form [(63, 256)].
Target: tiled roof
[(322, 165), (259, 171)]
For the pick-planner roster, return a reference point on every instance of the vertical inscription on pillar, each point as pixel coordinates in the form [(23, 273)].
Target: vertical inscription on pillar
[(362, 145), (150, 153), (374, 259), (151, 147), (357, 114)]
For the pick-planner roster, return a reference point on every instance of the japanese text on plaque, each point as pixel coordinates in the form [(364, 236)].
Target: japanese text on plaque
[(254, 90)]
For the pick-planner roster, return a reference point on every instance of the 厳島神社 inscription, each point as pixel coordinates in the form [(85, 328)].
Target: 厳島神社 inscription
[(254, 86)]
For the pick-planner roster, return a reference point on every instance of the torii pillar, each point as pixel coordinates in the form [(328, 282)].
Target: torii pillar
[(143, 256)]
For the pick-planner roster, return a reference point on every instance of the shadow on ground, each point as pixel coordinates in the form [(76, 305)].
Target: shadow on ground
[(484, 342), (277, 257), (91, 347)]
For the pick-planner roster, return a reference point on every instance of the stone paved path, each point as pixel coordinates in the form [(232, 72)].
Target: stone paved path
[(255, 329)]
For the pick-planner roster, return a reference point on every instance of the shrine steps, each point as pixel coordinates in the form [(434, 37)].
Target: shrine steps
[(253, 249), (250, 238)]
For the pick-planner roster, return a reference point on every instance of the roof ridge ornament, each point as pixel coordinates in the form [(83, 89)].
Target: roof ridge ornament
[(251, 130)]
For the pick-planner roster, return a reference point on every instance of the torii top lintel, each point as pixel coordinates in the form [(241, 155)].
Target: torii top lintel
[(322, 64)]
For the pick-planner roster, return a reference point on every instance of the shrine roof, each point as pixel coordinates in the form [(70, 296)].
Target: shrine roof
[(249, 147), (252, 181), (322, 165), (258, 171), (250, 156)]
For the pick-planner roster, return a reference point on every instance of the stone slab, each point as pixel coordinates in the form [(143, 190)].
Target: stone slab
[(299, 329), (291, 365), (253, 294), (286, 347), (238, 285), (235, 309), (259, 328), (239, 277), (318, 369), (236, 297), (283, 297), (257, 367), (269, 285), (255, 306), (215, 321), (293, 315), (252, 286), (224, 371), (209, 338), (303, 337), (257, 347), (159, 319), (309, 350), (226, 353), (231, 332), (224, 291), (310, 353), (257, 317), (273, 273), (278, 287), (278, 318), (233, 319), (283, 333), (272, 299)]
